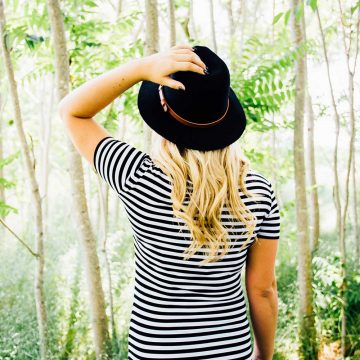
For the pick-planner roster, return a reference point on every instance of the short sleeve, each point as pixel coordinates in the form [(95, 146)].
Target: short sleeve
[(120, 164), (270, 225)]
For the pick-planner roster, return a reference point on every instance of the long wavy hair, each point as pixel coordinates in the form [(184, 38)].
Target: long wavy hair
[(215, 177)]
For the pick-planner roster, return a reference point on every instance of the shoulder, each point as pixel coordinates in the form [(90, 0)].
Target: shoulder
[(256, 178), (260, 186)]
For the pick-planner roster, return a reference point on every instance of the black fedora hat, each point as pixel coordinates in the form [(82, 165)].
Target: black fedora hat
[(206, 116)]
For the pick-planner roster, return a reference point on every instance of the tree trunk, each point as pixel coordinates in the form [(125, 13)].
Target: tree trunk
[(336, 190), (2, 188), (45, 149), (36, 199), (104, 229), (254, 17), (314, 198), (81, 214), (104, 203), (307, 334), (341, 215), (232, 35), (314, 214), (351, 73), (151, 47), (212, 26), (119, 8), (274, 173), (192, 24), (241, 19), (355, 211), (229, 10), (70, 337), (172, 22)]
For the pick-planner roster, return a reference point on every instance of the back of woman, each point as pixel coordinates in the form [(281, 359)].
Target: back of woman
[(196, 209), (182, 306)]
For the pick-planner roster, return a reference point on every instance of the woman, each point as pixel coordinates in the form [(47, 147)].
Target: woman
[(189, 250)]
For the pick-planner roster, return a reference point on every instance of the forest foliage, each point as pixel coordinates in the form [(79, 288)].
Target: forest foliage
[(262, 59)]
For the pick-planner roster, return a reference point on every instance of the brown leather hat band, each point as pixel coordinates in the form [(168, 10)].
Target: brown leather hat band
[(167, 108)]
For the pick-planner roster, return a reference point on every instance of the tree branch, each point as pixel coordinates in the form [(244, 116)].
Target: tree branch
[(21, 241)]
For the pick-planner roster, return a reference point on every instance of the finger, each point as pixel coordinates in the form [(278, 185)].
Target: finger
[(188, 66), (183, 46), (170, 82), (190, 58), (182, 51)]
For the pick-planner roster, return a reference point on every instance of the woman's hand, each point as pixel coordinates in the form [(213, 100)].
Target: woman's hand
[(157, 67)]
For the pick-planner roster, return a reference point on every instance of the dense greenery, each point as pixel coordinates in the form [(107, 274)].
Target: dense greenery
[(262, 75)]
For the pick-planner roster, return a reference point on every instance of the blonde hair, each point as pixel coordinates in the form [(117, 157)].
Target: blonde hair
[(215, 176)]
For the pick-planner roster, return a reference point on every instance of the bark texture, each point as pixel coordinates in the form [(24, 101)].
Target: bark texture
[(212, 26), (34, 186), (350, 73), (2, 188), (152, 46), (172, 22), (307, 335), (314, 197), (81, 213)]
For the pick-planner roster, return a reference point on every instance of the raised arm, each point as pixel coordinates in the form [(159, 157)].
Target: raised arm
[(78, 108), (262, 295)]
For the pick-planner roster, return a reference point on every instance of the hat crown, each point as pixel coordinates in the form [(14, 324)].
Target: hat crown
[(206, 116), (206, 96)]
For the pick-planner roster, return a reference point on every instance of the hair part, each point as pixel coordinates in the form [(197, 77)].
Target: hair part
[(208, 181)]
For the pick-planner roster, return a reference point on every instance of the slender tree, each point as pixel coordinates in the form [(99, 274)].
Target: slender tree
[(274, 173), (351, 73), (314, 198), (81, 214), (336, 192), (307, 334), (212, 26), (232, 34), (341, 215), (355, 210), (255, 12), (336, 189), (172, 23), (45, 147), (69, 343), (192, 24), (185, 22), (229, 10), (104, 230), (151, 47), (2, 188), (36, 199), (119, 8)]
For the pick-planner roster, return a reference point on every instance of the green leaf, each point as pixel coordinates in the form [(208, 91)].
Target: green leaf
[(277, 18), (8, 41), (299, 12), (313, 4), (355, 7), (91, 3), (287, 17)]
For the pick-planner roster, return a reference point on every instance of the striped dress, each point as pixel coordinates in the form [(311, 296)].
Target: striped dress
[(181, 310)]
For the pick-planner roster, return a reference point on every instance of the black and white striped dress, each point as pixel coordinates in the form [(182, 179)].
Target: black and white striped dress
[(181, 310)]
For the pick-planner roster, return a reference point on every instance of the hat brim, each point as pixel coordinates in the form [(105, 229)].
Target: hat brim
[(211, 138)]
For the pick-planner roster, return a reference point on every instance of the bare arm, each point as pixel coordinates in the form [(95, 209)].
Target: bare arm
[(262, 295), (78, 108)]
